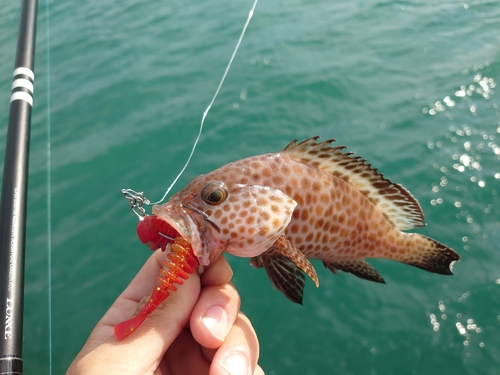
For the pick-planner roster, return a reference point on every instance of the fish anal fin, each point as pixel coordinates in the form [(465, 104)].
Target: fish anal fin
[(397, 203), (431, 255), (283, 273), (289, 250), (358, 267)]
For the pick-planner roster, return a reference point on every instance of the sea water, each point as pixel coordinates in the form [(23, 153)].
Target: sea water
[(409, 85)]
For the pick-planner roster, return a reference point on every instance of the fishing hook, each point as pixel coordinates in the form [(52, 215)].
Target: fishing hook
[(165, 236), (203, 214), (136, 200)]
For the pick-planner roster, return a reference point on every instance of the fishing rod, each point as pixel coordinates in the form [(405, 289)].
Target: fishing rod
[(14, 194)]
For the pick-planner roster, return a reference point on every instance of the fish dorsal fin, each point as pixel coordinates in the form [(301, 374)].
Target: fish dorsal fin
[(394, 200)]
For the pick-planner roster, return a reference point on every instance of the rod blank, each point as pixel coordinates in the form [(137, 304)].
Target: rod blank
[(14, 193)]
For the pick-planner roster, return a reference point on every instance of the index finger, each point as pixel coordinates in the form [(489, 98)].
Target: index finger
[(219, 273)]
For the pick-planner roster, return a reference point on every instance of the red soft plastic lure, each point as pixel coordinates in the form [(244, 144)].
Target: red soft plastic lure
[(149, 229), (180, 263)]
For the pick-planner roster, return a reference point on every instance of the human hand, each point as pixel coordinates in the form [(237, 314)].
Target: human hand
[(197, 330)]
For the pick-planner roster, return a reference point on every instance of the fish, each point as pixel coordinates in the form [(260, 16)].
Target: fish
[(310, 201)]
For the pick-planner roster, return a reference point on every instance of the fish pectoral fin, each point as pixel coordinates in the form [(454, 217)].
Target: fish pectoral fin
[(284, 275), (288, 249), (358, 267)]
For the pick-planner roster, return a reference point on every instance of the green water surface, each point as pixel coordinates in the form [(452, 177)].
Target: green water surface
[(409, 85)]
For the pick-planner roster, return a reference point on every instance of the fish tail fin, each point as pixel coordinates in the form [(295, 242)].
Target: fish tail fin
[(431, 255)]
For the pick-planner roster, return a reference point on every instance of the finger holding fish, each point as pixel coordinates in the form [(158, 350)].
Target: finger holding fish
[(214, 314)]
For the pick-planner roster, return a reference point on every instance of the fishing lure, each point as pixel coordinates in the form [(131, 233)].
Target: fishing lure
[(155, 233), (181, 262)]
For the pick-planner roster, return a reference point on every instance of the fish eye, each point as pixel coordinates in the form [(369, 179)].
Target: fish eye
[(214, 194)]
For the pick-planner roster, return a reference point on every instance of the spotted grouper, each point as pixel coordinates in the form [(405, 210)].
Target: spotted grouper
[(309, 201)]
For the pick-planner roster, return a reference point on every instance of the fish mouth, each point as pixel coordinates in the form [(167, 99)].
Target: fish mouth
[(187, 227)]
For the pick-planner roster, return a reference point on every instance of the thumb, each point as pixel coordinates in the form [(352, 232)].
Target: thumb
[(142, 351)]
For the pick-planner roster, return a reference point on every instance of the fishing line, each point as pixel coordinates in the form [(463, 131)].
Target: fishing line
[(235, 51), (49, 163), (49, 187)]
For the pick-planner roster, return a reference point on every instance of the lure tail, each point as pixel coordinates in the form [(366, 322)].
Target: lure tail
[(180, 264)]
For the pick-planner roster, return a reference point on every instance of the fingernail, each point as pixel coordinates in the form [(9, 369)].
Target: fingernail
[(236, 364), (216, 321)]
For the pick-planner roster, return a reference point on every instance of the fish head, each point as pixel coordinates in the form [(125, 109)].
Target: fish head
[(216, 216)]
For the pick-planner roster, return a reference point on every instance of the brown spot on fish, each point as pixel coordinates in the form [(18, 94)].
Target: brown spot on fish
[(345, 199), (262, 202), (309, 198), (278, 179), (316, 187), (300, 200), (338, 206), (320, 223), (304, 214), (305, 183), (276, 199), (362, 215), (264, 230), (352, 222), (326, 226), (276, 223), (342, 218)]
